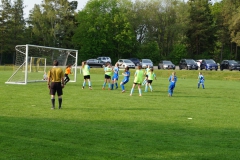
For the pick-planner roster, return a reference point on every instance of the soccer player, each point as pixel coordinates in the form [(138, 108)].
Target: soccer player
[(108, 73), (67, 72), (172, 79), (115, 76), (138, 79), (201, 80), (45, 77), (146, 74), (86, 75), (126, 75), (151, 76), (56, 83)]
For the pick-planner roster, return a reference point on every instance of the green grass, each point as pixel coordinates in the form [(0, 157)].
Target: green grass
[(101, 124)]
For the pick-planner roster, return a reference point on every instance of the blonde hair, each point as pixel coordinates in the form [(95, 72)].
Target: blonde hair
[(173, 75)]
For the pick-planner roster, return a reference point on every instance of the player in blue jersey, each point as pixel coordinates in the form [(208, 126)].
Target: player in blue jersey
[(201, 80), (126, 75), (172, 79), (115, 76)]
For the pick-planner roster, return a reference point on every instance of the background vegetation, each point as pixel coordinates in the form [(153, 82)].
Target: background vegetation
[(101, 124), (155, 29)]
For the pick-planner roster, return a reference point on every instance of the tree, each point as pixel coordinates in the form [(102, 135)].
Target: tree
[(53, 23), (201, 32), (104, 29)]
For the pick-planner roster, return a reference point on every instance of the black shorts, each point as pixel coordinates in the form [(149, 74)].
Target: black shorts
[(86, 77), (56, 87), (107, 77), (136, 83), (149, 81)]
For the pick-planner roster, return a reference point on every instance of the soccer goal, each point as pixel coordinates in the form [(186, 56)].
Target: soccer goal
[(33, 61)]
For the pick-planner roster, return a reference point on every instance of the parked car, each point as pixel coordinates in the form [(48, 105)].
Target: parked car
[(105, 59), (123, 63), (166, 65), (229, 64), (188, 64), (146, 62), (136, 61), (94, 63), (209, 64)]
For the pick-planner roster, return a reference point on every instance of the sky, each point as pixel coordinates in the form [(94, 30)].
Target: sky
[(30, 4)]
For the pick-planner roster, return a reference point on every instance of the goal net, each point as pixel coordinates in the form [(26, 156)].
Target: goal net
[(33, 62)]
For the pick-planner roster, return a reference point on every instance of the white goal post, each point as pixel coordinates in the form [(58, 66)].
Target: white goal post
[(33, 61)]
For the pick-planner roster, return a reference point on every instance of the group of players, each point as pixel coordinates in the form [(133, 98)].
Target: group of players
[(57, 79)]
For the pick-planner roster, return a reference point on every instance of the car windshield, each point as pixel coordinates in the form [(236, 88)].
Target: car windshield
[(127, 61), (167, 62), (232, 61), (210, 61), (146, 61), (190, 61)]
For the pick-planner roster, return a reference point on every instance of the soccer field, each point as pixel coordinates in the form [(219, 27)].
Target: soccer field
[(101, 124)]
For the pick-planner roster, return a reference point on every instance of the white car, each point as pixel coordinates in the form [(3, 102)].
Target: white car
[(146, 62), (123, 63), (105, 59)]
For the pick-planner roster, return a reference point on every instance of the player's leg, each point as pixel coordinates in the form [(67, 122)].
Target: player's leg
[(132, 90), (59, 93), (203, 85), (84, 82), (139, 89)]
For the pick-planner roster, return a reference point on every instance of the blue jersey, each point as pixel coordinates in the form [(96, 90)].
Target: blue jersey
[(201, 78), (115, 73), (174, 79), (126, 77)]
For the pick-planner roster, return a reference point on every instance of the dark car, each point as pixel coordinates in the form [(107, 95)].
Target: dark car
[(165, 64), (94, 63), (208, 64), (188, 64), (229, 64), (136, 61)]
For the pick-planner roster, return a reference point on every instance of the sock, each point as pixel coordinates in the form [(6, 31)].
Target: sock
[(104, 84), (83, 84), (150, 88), (132, 91), (60, 102), (53, 102), (89, 84), (202, 85), (109, 85), (116, 85), (140, 91), (122, 86), (112, 85), (198, 85), (146, 88)]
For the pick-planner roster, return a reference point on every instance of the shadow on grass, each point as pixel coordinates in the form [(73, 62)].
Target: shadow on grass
[(109, 138)]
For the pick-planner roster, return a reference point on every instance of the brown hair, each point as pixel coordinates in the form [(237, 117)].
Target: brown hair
[(55, 63)]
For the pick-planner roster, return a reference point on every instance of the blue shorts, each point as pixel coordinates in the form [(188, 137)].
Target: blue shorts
[(115, 77)]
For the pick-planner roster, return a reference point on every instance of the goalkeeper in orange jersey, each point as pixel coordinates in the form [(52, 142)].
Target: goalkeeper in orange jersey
[(67, 72)]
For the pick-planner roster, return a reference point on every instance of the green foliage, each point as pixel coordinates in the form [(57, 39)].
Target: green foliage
[(104, 30), (102, 124)]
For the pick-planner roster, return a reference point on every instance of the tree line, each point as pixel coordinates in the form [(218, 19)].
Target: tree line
[(154, 29)]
